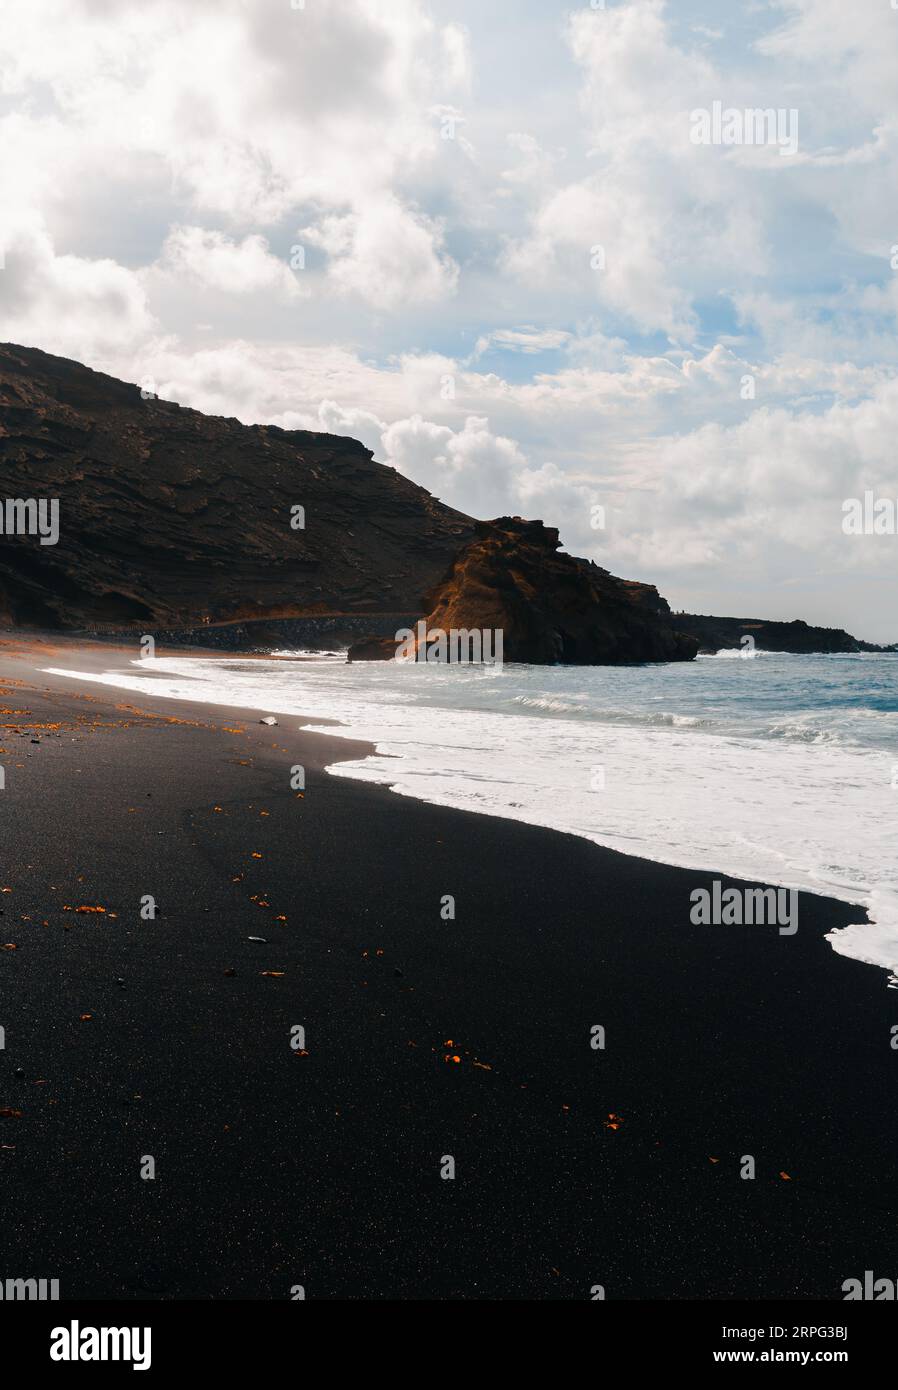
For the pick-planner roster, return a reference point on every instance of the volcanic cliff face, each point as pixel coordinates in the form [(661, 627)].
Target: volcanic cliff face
[(549, 607), (172, 518)]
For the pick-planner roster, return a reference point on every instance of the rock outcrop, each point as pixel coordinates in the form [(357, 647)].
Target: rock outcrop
[(719, 634), (549, 607)]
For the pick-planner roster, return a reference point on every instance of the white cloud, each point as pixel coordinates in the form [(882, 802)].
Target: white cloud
[(159, 161), (386, 254), (64, 303), (216, 262), (252, 111), (528, 340)]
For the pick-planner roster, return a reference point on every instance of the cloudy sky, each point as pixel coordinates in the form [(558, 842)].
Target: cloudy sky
[(478, 235)]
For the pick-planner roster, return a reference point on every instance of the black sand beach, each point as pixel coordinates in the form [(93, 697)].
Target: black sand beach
[(170, 1038)]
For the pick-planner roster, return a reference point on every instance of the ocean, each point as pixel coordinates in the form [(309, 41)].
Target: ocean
[(775, 768)]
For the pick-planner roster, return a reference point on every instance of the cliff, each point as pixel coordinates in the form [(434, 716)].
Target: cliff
[(170, 520), (549, 607)]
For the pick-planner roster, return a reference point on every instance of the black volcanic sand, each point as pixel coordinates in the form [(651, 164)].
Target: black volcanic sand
[(275, 1169)]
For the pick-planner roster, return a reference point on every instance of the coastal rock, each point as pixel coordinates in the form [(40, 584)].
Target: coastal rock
[(373, 649), (549, 607), (721, 634)]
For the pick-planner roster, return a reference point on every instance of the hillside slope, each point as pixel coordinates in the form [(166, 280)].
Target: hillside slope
[(174, 520), (171, 517)]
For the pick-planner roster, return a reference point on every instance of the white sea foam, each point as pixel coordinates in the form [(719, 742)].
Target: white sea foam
[(733, 654), (555, 706), (798, 800)]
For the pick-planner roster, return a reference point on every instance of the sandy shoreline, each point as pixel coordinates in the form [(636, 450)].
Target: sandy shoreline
[(274, 1168)]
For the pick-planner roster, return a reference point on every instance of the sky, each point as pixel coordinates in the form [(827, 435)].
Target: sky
[(482, 237)]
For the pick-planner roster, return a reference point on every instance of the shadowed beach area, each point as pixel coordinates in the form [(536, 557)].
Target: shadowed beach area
[(275, 1167)]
